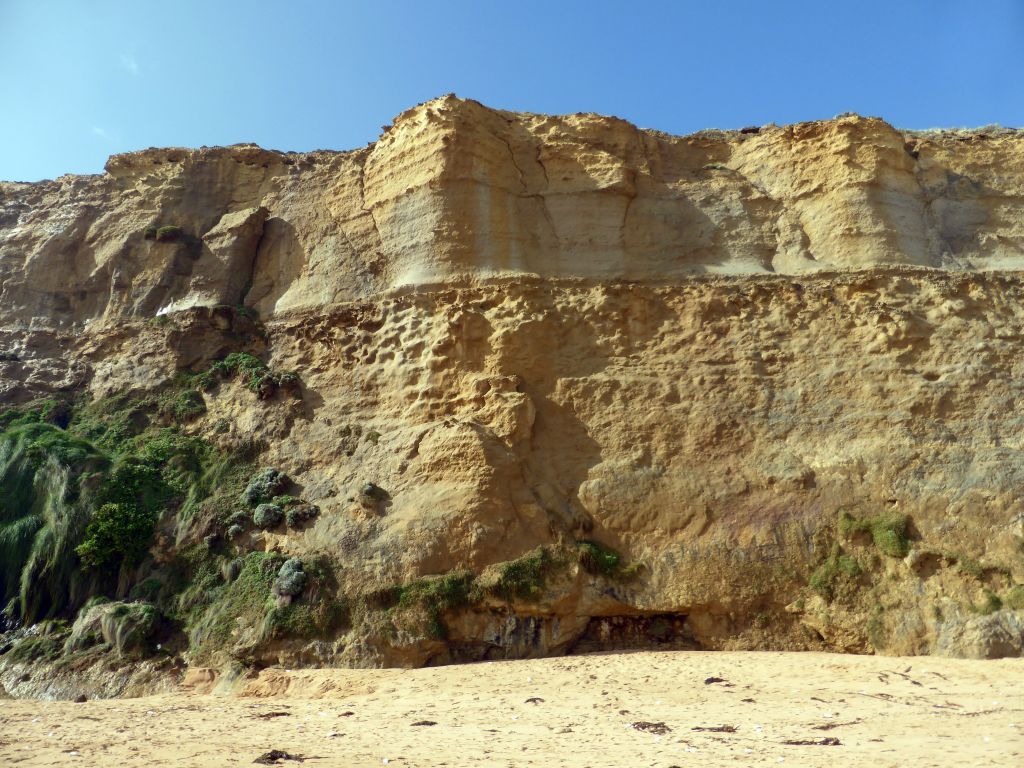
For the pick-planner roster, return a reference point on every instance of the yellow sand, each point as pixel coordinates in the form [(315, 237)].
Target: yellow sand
[(884, 711)]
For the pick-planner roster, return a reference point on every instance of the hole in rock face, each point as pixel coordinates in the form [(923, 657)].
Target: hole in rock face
[(667, 631)]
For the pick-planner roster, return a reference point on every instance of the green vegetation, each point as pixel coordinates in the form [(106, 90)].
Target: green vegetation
[(970, 567), (372, 493), (125, 626), (265, 485), (267, 516), (168, 234), (1014, 598), (253, 372), (47, 411), (888, 531), (291, 579), (219, 609), (597, 559), (525, 578), (237, 614), (431, 597), (79, 504), (298, 514), (838, 570), (45, 646), (46, 489), (117, 534), (990, 603), (183, 406), (82, 500)]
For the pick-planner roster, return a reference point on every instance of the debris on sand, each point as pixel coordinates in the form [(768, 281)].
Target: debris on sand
[(270, 715), (830, 726), (424, 722), (534, 700), (828, 741), (275, 756), (712, 680), (715, 728), (658, 729)]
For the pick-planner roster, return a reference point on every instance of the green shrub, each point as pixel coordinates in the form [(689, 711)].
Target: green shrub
[(525, 578), (300, 513), (148, 589), (597, 559), (254, 373), (836, 568), (47, 411), (970, 567), (168, 234), (149, 233), (117, 534), (111, 422), (46, 499), (875, 629), (204, 381), (435, 595), (888, 531), (183, 406), (291, 578), (250, 368), (265, 485), (135, 481), (267, 516), (224, 606)]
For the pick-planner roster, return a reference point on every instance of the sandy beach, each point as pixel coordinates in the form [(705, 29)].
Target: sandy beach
[(636, 709)]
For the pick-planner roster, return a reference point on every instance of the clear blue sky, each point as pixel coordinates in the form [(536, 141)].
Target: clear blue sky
[(81, 79)]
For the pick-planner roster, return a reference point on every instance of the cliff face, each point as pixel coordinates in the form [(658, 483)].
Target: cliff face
[(771, 374)]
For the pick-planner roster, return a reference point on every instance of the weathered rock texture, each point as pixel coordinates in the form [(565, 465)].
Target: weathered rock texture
[(528, 330)]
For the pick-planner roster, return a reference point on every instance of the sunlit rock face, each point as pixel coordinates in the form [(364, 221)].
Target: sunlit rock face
[(733, 357)]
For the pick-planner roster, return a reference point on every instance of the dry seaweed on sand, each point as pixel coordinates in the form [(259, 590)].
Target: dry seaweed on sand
[(658, 729), (275, 756)]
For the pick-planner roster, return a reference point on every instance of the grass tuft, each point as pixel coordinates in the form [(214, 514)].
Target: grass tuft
[(888, 531)]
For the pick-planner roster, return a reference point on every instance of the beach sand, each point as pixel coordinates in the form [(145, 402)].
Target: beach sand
[(568, 711)]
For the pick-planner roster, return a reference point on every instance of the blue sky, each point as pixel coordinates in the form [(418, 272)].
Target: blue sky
[(82, 79)]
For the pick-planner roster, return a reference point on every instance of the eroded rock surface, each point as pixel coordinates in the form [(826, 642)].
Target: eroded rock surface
[(777, 371)]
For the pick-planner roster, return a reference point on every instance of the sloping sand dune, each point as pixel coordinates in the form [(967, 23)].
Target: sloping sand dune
[(571, 711)]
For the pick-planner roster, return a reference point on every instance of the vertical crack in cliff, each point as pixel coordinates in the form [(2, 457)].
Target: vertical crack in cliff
[(526, 189), (543, 168), (362, 201), (515, 164)]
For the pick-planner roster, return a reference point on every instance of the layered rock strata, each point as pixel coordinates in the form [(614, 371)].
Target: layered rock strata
[(776, 370)]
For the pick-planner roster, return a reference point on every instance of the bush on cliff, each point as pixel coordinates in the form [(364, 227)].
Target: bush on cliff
[(888, 531), (265, 485), (46, 499), (117, 534), (267, 516), (254, 373)]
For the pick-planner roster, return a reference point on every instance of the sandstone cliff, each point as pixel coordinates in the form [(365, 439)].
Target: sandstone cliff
[(747, 389)]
